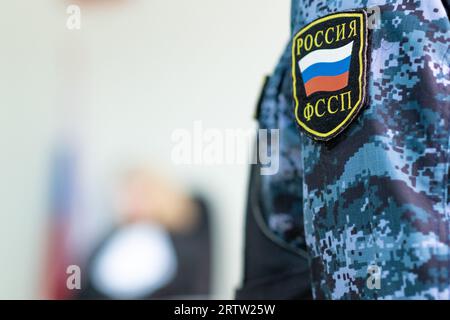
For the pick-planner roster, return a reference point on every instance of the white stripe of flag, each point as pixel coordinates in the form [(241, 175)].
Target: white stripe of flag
[(326, 56)]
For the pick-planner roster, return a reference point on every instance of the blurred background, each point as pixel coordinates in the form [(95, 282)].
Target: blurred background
[(86, 140)]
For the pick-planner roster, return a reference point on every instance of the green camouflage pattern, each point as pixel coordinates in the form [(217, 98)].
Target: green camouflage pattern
[(377, 195)]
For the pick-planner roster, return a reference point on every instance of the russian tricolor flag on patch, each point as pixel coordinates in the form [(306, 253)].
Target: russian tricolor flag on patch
[(326, 69)]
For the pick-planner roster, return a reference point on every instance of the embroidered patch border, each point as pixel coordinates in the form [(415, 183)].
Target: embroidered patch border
[(312, 91)]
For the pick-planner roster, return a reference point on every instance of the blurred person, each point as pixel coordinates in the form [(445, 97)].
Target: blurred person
[(360, 206), (160, 248)]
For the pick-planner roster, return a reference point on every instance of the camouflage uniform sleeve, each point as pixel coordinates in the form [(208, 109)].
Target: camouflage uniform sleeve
[(377, 197)]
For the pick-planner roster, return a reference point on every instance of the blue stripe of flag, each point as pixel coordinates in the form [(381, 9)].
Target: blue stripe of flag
[(326, 69)]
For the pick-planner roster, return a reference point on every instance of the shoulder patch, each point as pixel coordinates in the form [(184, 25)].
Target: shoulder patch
[(329, 66)]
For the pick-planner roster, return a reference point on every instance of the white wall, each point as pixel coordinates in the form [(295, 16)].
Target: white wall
[(139, 70)]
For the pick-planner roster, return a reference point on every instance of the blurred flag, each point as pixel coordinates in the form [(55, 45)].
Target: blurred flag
[(60, 252)]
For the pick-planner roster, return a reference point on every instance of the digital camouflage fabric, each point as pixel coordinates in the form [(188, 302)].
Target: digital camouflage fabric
[(378, 194)]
